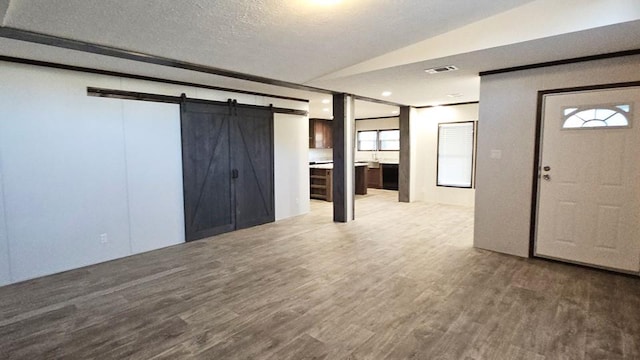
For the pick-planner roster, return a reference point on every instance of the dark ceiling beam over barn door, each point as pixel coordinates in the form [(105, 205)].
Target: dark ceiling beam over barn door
[(39, 38), (83, 46), (404, 174), (140, 77)]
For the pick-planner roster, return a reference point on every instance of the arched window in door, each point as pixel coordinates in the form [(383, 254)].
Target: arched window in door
[(595, 117)]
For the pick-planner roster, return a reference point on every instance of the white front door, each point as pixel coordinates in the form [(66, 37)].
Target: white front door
[(589, 187)]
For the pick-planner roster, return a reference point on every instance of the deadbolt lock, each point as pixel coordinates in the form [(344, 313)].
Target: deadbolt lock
[(547, 168)]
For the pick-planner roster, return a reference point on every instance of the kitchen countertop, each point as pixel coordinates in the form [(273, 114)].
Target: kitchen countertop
[(330, 165), (387, 162)]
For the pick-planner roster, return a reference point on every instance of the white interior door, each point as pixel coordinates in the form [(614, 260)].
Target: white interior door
[(589, 190)]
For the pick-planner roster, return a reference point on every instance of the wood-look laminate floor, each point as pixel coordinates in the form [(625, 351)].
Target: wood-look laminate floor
[(401, 282)]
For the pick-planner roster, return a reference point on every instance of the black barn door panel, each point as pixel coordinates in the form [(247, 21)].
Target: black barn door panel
[(227, 168), (252, 146), (206, 149)]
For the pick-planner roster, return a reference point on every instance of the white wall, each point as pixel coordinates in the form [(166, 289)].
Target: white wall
[(154, 174), (73, 167), (291, 165), (508, 105), (424, 133), (378, 124), (5, 269)]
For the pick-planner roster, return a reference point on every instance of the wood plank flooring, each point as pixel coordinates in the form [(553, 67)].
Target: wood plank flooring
[(401, 282)]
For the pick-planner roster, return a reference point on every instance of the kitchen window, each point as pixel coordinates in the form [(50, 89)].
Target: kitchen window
[(379, 140), (368, 140), (455, 154), (389, 140)]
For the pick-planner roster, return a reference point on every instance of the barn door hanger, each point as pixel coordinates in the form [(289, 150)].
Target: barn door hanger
[(233, 106)]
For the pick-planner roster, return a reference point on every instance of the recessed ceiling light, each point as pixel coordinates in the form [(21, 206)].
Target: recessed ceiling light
[(326, 101), (325, 109), (326, 2), (395, 112), (386, 93), (455, 95)]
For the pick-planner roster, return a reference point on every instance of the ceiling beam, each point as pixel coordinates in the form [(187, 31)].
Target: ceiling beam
[(563, 62), (140, 77), (60, 42), (51, 40)]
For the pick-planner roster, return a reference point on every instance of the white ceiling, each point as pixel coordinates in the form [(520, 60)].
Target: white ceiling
[(409, 83), (357, 46)]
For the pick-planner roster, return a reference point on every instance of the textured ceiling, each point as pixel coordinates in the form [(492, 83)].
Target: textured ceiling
[(298, 42), (4, 5), (287, 40)]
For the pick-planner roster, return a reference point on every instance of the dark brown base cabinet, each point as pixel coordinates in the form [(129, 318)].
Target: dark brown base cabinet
[(321, 184), (362, 175), (374, 178), (383, 177), (227, 160)]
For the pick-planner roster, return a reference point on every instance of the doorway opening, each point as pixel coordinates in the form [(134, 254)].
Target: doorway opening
[(375, 158)]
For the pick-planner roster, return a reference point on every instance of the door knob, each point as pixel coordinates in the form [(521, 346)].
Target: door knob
[(547, 177)]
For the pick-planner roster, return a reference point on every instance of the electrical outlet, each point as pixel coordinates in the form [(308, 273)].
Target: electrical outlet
[(104, 238)]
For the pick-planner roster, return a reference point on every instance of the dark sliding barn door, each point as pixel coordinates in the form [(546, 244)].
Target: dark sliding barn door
[(252, 147), (227, 168), (207, 174)]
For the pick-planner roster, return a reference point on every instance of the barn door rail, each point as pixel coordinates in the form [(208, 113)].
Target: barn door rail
[(140, 96)]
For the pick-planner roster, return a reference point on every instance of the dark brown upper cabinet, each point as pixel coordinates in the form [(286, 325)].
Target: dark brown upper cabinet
[(320, 134)]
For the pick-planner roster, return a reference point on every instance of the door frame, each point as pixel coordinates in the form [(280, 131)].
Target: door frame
[(538, 154)]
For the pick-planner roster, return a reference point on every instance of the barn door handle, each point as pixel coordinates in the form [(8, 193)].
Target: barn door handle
[(234, 173)]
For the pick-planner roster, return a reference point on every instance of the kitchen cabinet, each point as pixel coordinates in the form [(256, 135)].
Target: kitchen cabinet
[(384, 176), (362, 174), (374, 178), (389, 176), (321, 181), (321, 184), (320, 134)]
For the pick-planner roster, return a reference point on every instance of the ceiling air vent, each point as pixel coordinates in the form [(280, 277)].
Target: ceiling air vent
[(441, 69)]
